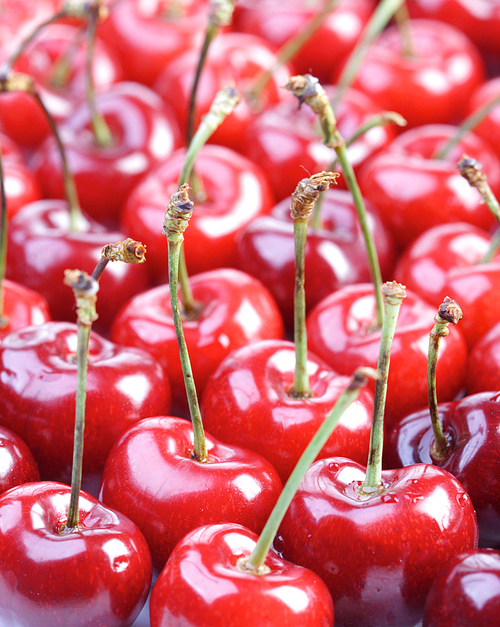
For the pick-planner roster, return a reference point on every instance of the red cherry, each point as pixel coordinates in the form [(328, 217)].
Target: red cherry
[(339, 332), (144, 133), (233, 57), (99, 574), (152, 478), (466, 591), (42, 245), (17, 464), (237, 192), (378, 553), (235, 309), (148, 36), (247, 402), (38, 388), (444, 69), (483, 363), (473, 428), (414, 191), (22, 307), (265, 249), (203, 585), (488, 128)]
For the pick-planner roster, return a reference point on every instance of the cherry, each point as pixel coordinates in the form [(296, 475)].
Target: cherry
[(442, 67), (143, 134), (17, 464), (99, 573), (489, 127), (38, 395), (466, 591), (483, 363), (235, 189), (204, 584), (22, 307)]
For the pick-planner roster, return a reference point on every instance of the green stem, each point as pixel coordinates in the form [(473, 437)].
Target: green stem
[(393, 294), (402, 19), (255, 561), (449, 313), (380, 17), (290, 49), (176, 220)]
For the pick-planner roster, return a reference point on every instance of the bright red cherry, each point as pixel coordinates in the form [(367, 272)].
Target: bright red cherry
[(377, 552), (202, 585), (152, 477), (38, 389), (443, 68), (22, 307), (99, 574), (17, 464), (483, 363)]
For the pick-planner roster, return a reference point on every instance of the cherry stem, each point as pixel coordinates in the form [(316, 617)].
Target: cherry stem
[(177, 216), (402, 19), (307, 89), (220, 14), (473, 172), (378, 21), (255, 561), (288, 51), (470, 122), (4, 321), (85, 289), (303, 200), (449, 313), (25, 83), (223, 104), (393, 295), (102, 132), (380, 119)]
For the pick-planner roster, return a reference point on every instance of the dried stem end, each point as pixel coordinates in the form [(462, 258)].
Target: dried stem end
[(361, 377), (450, 311), (307, 192), (85, 9), (178, 213), (85, 289), (307, 89), (221, 12), (15, 81), (127, 251), (393, 292), (472, 170)]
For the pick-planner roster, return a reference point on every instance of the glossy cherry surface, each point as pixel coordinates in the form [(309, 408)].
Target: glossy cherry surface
[(466, 592), (17, 464), (334, 251), (235, 309), (483, 363), (38, 389), (97, 575), (443, 68), (249, 395), (339, 332), (42, 246), (236, 192), (144, 133), (414, 191), (472, 425), (152, 477), (378, 553), (202, 585), (22, 307)]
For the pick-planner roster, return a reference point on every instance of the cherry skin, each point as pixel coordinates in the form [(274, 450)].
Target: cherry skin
[(38, 389), (472, 425), (22, 307), (202, 585), (99, 574), (20, 184), (338, 33), (152, 477), (444, 69), (414, 191), (483, 363), (148, 36), (42, 245), (489, 127), (285, 141), (247, 402), (236, 192), (339, 332), (234, 309), (17, 464), (466, 592), (378, 553), (144, 133), (233, 57), (265, 249)]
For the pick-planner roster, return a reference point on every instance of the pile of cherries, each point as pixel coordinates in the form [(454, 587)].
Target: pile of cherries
[(163, 536)]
